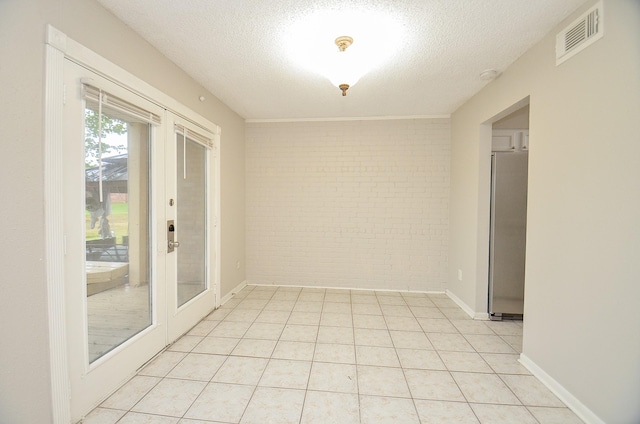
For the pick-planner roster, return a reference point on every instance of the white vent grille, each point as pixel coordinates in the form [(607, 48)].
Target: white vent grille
[(581, 33)]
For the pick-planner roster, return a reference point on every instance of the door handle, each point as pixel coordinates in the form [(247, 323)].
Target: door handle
[(171, 233)]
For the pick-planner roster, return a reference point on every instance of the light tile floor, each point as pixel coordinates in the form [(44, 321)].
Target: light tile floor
[(304, 355)]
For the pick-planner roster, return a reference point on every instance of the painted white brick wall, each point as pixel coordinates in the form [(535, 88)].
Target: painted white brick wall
[(350, 204)]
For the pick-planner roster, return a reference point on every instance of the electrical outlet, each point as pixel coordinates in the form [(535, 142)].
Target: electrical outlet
[(237, 264), (459, 275)]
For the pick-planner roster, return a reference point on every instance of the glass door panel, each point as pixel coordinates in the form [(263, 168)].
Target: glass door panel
[(115, 301), (192, 229), (192, 265), (117, 187)]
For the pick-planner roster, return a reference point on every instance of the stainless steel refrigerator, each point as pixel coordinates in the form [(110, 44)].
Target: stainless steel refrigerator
[(508, 233)]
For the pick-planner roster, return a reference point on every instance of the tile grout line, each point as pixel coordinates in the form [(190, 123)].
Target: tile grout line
[(214, 374), (255, 388), (413, 400), (494, 372), (304, 398), (394, 345), (449, 371), (230, 354), (355, 357)]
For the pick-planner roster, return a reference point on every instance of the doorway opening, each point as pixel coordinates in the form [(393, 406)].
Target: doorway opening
[(508, 215)]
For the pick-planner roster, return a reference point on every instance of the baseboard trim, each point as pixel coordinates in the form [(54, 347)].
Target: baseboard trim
[(481, 316), (469, 311), (232, 293), (584, 413), (347, 288)]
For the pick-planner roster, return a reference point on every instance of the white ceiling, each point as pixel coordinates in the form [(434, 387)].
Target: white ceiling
[(241, 50)]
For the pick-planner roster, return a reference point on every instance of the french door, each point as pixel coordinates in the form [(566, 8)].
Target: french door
[(191, 215), (139, 228)]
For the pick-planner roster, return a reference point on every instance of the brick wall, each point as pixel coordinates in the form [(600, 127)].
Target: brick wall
[(355, 204)]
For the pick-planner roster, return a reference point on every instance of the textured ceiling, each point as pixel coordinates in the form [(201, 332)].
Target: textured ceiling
[(243, 51)]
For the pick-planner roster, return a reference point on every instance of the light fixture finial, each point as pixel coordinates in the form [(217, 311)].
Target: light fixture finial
[(344, 42), (344, 88)]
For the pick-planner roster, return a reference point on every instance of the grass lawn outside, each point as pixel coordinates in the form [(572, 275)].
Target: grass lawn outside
[(118, 222)]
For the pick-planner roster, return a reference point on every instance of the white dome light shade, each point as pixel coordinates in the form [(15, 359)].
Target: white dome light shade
[(311, 43), (346, 65)]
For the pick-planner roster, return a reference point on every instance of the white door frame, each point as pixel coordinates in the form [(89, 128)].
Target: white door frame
[(58, 47)]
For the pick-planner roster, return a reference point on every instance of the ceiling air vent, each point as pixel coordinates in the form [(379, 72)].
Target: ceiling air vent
[(582, 32)]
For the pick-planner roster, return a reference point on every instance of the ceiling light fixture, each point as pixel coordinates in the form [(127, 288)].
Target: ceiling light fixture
[(344, 74), (373, 37)]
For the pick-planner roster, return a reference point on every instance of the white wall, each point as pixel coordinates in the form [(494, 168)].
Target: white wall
[(25, 393), (359, 204), (24, 355), (582, 291), (518, 120)]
